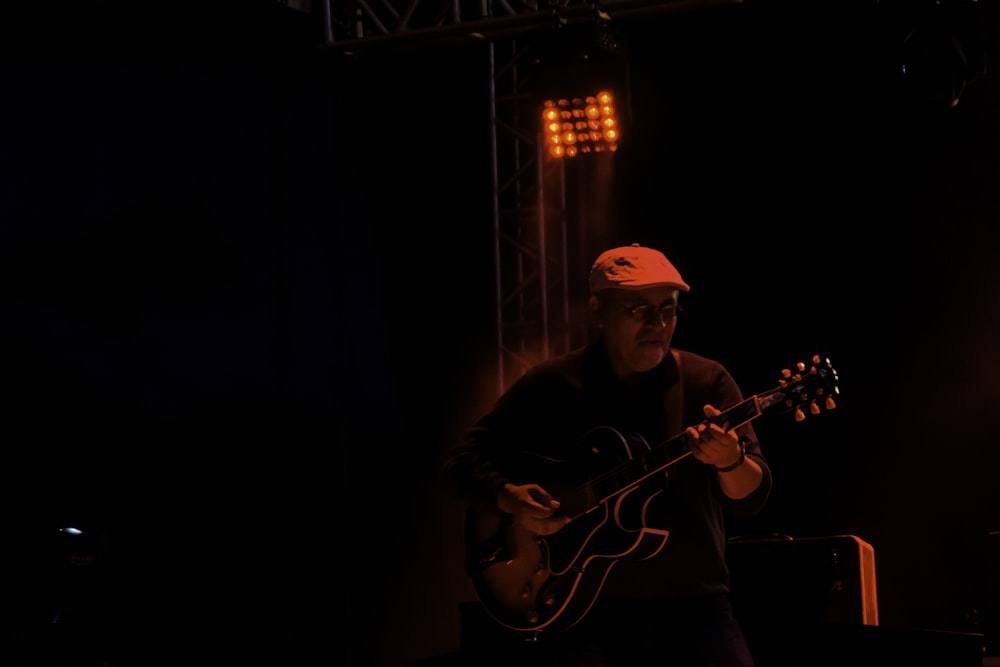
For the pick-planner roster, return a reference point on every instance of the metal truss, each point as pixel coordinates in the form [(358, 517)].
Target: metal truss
[(530, 224), (353, 26), (544, 239)]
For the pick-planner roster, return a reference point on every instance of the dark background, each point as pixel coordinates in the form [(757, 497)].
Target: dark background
[(247, 294)]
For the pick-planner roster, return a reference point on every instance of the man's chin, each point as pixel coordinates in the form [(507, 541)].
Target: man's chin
[(648, 357)]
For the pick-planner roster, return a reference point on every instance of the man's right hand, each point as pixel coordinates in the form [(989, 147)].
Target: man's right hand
[(532, 507)]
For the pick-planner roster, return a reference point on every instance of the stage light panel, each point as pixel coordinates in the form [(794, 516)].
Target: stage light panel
[(580, 125)]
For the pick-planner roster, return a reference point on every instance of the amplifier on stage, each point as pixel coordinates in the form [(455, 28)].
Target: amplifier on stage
[(803, 581)]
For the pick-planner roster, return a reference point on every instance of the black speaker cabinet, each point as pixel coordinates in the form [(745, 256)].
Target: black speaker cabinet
[(813, 601), (803, 581)]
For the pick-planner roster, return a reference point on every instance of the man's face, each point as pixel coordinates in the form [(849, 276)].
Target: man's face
[(637, 326)]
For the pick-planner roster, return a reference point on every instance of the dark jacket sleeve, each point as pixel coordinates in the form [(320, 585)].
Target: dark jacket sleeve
[(710, 382), (487, 454)]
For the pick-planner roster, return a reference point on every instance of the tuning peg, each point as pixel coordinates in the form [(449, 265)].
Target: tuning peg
[(801, 366), (830, 403), (813, 408), (799, 415)]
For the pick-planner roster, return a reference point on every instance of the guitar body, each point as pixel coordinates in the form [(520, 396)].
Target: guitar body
[(530, 583)]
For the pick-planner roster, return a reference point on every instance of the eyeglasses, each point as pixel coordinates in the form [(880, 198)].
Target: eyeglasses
[(644, 312)]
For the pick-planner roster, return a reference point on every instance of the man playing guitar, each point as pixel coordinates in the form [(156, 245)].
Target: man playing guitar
[(598, 485)]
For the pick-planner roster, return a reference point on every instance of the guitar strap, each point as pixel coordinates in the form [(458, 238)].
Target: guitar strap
[(675, 399)]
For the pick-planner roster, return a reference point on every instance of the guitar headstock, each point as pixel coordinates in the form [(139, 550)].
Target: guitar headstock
[(809, 388)]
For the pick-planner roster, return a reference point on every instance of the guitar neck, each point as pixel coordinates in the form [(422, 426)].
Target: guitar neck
[(739, 414), (785, 397), (656, 459)]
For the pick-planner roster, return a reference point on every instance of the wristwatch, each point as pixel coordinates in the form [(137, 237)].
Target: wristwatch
[(739, 461)]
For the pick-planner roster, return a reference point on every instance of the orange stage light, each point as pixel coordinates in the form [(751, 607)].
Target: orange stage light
[(580, 125)]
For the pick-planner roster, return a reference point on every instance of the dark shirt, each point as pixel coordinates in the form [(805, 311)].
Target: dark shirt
[(570, 416)]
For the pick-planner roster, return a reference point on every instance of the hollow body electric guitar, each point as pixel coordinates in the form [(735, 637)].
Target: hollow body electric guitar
[(531, 584)]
